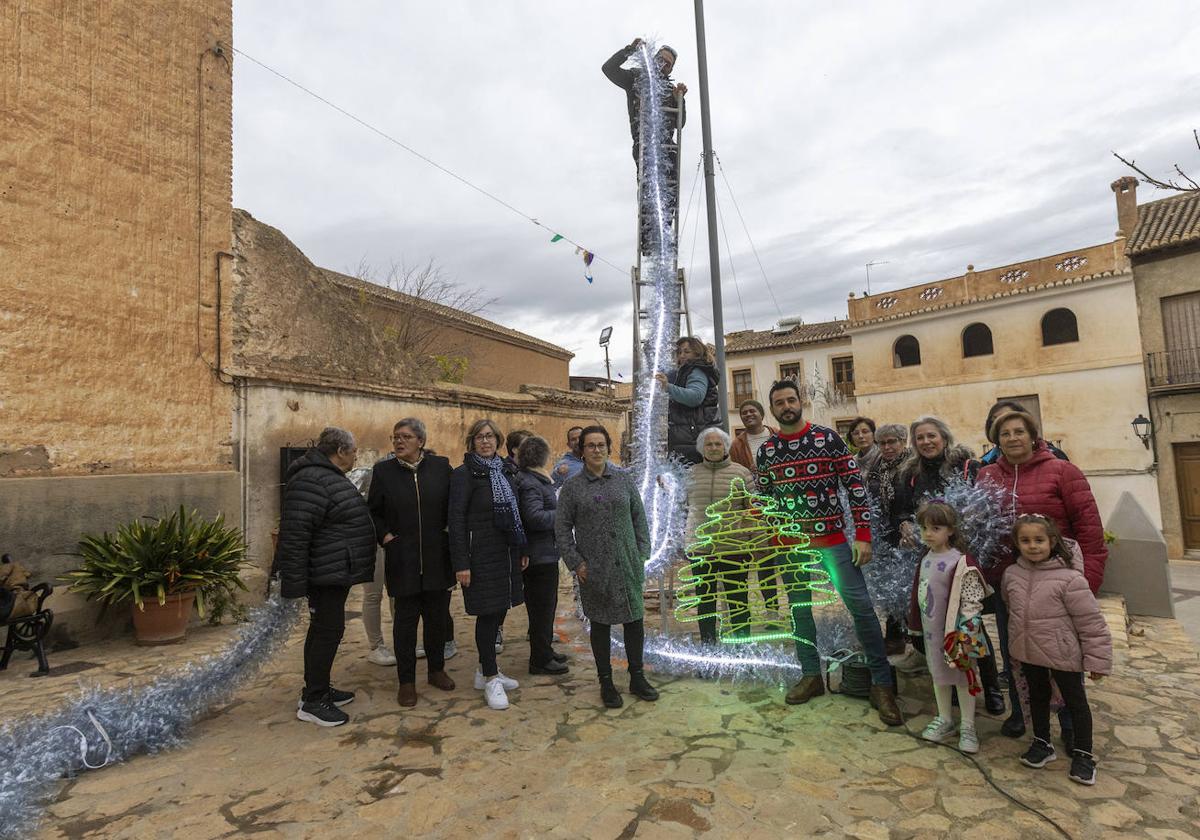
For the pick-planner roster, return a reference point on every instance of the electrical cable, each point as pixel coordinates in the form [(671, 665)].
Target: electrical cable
[(688, 207), (729, 187), (732, 269), (422, 157), (987, 777)]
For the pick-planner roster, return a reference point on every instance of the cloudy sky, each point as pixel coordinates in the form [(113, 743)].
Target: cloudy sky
[(919, 135)]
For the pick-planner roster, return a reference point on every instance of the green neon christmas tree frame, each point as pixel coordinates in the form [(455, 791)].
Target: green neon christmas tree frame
[(741, 540)]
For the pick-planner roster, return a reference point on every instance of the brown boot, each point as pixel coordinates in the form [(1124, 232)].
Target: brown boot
[(407, 695), (805, 690), (883, 699), (440, 679)]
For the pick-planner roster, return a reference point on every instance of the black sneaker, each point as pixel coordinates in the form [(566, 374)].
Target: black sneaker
[(322, 712), (640, 688), (1039, 754), (1083, 768), (339, 697), (336, 696)]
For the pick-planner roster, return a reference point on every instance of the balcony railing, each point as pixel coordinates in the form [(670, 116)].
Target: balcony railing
[(1170, 368)]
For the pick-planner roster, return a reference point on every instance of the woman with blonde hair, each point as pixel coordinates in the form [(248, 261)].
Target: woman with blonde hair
[(487, 549)]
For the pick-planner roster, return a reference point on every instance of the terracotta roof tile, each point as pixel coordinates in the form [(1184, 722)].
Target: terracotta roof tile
[(1166, 223), (748, 341)]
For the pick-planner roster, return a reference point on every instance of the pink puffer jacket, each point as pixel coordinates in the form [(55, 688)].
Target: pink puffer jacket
[(1057, 490), (1053, 618)]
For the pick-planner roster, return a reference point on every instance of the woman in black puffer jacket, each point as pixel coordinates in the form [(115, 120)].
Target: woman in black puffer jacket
[(326, 545), (487, 549), (535, 492)]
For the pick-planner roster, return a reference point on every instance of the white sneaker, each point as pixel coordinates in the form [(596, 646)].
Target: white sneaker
[(482, 682), (494, 693), (420, 651), (968, 741), (381, 656), (451, 650), (939, 730)]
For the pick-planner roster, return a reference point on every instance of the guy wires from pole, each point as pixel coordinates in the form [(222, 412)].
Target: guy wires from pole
[(420, 156), (729, 187)]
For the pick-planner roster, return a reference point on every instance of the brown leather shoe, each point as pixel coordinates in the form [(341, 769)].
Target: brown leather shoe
[(805, 690), (440, 679), (883, 699), (407, 695)]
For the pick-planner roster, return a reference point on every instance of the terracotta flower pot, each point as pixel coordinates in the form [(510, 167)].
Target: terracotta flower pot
[(164, 624)]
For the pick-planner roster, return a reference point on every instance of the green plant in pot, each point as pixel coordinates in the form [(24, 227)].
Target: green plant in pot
[(161, 566)]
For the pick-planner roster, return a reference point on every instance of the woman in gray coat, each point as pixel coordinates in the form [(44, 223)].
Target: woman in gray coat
[(603, 538)]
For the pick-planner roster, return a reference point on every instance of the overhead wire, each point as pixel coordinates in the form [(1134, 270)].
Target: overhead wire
[(732, 268), (746, 228), (422, 157)]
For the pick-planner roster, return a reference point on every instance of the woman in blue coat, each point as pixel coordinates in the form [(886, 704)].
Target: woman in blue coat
[(538, 500)]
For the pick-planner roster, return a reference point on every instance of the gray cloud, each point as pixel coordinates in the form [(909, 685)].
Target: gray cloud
[(927, 136)]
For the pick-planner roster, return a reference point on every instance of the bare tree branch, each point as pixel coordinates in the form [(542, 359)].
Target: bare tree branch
[(414, 333), (1189, 186)]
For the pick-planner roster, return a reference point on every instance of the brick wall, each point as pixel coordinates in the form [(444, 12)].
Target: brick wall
[(109, 237)]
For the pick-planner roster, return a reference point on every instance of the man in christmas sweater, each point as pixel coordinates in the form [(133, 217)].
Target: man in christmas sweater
[(802, 467)]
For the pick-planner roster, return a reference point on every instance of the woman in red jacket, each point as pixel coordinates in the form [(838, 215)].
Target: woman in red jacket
[(1035, 481)]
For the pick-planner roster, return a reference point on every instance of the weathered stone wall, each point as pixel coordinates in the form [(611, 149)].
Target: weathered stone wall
[(1175, 413), (295, 318), (112, 225), (278, 415)]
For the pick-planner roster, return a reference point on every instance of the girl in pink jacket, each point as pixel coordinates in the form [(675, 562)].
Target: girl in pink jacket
[(1055, 630)]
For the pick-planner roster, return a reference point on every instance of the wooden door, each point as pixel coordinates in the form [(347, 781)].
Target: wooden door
[(1187, 473)]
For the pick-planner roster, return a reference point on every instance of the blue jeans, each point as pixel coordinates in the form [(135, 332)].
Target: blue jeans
[(848, 579)]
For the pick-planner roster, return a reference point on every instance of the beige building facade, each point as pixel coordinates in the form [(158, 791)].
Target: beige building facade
[(1164, 248), (817, 355), (1047, 332)]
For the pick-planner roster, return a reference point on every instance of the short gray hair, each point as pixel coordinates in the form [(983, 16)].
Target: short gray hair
[(717, 430), (417, 427), (891, 430), (333, 440)]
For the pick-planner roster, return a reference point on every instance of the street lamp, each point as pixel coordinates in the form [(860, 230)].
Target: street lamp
[(605, 335), (1142, 428)]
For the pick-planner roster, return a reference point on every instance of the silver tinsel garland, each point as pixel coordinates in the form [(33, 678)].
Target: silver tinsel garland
[(105, 726)]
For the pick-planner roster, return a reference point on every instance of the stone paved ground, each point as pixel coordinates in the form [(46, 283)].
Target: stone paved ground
[(708, 757)]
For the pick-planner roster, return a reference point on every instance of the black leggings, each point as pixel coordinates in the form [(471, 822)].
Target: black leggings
[(1070, 685), (326, 624), (486, 627), (635, 640)]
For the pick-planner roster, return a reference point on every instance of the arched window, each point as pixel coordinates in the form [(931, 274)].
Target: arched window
[(1059, 327), (977, 340), (906, 352)]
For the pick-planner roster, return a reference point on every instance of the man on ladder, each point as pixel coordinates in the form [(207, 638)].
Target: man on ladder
[(674, 110)]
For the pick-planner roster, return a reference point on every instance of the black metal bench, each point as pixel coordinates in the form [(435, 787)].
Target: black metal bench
[(29, 632)]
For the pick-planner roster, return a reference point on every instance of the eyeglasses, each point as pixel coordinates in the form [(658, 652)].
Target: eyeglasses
[(890, 442), (398, 438), (484, 436)]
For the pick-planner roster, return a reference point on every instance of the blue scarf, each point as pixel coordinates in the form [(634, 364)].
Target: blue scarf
[(505, 511)]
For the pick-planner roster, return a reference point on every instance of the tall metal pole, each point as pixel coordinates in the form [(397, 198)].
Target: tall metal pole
[(714, 256)]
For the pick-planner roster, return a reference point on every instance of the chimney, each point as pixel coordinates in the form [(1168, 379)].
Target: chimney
[(1127, 212)]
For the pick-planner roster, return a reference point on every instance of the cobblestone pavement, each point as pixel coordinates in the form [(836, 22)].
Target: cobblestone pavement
[(708, 757)]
